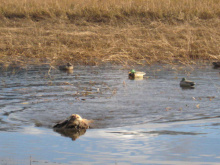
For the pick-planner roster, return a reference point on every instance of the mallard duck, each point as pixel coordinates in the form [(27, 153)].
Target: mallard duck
[(186, 83), (67, 67), (133, 74), (216, 64), (74, 122)]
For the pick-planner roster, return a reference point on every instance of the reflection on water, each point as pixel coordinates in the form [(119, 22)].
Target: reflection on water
[(135, 121), (73, 134), (195, 142)]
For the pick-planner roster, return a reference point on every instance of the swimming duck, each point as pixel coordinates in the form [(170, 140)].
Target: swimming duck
[(74, 122), (133, 74), (186, 83), (216, 64), (68, 66)]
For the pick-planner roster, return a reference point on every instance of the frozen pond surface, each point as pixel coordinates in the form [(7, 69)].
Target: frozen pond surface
[(149, 121)]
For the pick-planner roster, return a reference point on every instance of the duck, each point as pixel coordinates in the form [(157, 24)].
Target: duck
[(134, 74), (186, 83), (75, 122), (216, 64), (66, 67)]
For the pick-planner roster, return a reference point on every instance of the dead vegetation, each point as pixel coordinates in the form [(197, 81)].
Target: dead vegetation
[(104, 31)]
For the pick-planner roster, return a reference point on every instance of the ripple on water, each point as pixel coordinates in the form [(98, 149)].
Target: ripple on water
[(107, 96)]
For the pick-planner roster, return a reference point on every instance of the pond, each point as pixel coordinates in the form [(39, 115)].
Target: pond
[(148, 121)]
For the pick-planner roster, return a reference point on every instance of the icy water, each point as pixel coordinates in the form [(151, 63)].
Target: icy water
[(149, 121)]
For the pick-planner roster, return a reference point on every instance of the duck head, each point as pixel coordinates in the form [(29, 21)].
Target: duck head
[(131, 74), (183, 79), (132, 71)]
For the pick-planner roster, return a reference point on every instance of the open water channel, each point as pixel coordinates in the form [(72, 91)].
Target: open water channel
[(149, 121)]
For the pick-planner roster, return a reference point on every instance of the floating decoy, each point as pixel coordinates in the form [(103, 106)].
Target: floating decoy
[(133, 74), (66, 67), (75, 122), (216, 64), (186, 83)]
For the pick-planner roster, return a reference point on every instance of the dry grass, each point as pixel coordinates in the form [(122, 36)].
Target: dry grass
[(116, 31)]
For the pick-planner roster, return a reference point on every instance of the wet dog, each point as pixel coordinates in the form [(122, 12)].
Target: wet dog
[(74, 122), (73, 127)]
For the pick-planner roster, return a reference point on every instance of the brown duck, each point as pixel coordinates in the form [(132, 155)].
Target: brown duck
[(66, 67)]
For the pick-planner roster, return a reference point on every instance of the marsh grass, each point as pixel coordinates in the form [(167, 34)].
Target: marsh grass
[(102, 31)]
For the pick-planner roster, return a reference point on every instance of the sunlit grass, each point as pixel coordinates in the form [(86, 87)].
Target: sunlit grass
[(96, 10), (117, 31)]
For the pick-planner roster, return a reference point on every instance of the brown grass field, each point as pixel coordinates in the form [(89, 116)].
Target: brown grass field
[(94, 32)]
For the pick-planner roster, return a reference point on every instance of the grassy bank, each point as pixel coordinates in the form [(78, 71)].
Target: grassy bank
[(116, 31)]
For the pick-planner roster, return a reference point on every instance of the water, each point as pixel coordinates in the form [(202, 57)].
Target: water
[(149, 121)]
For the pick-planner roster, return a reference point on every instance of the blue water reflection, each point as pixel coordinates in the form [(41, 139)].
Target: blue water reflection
[(179, 143)]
